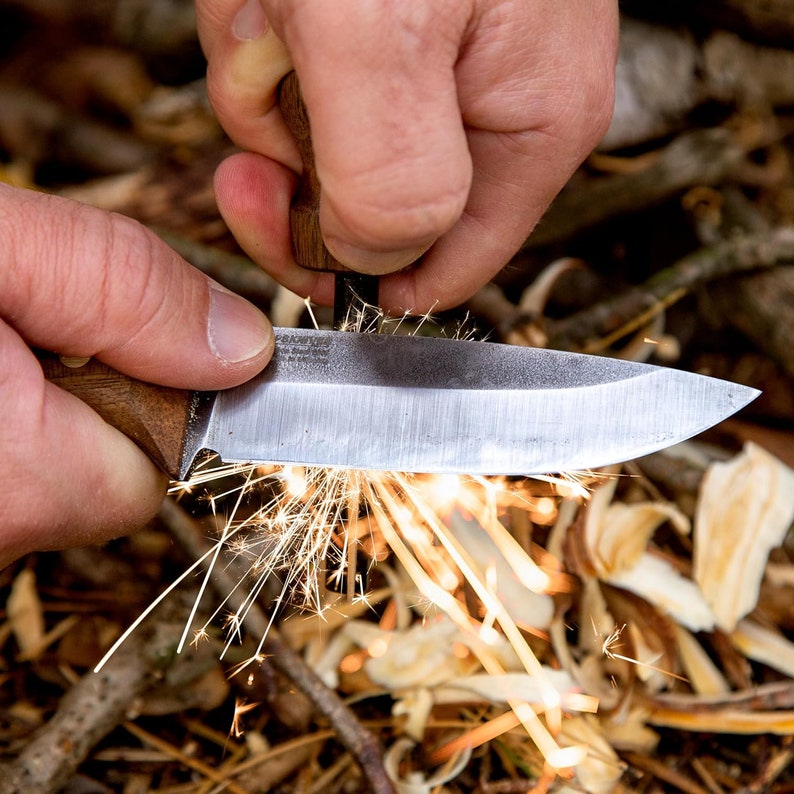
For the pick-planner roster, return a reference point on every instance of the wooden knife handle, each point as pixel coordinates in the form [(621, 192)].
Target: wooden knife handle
[(154, 417)]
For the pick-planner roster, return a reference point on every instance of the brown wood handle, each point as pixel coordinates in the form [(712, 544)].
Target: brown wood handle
[(154, 417), (308, 247)]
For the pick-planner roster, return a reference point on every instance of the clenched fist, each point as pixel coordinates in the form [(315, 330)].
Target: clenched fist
[(444, 127)]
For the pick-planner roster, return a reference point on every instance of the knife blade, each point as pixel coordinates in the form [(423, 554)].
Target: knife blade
[(374, 401)]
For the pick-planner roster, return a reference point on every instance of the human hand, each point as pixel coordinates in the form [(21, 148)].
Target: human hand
[(447, 126), (82, 282)]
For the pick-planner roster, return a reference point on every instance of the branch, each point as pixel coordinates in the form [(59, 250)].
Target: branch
[(87, 713), (702, 157), (741, 254), (360, 742)]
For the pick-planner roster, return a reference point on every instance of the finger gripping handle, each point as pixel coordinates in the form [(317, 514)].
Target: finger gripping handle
[(308, 247)]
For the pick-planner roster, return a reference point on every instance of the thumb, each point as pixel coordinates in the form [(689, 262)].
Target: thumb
[(82, 282)]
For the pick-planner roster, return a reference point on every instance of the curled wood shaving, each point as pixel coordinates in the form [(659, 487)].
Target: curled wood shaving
[(617, 537), (745, 508), (601, 769), (765, 645), (416, 781)]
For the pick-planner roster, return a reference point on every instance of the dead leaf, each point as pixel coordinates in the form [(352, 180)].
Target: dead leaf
[(25, 613)]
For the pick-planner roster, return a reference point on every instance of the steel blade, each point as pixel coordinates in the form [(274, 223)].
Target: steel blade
[(375, 401)]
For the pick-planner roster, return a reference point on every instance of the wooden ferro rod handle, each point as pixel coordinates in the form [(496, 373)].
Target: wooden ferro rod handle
[(308, 246), (307, 240)]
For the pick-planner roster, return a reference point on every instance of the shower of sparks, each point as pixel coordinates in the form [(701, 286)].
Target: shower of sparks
[(309, 525), (297, 530), (611, 644), (303, 536)]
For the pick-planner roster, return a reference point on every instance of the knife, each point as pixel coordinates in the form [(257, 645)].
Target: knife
[(372, 401), (375, 401)]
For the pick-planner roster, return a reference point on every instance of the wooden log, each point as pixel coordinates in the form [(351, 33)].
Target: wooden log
[(664, 73), (761, 306)]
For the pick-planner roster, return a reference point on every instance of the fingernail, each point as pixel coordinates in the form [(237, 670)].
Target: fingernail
[(236, 330), (250, 22), (375, 262)]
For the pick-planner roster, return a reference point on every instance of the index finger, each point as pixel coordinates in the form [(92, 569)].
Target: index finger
[(246, 62)]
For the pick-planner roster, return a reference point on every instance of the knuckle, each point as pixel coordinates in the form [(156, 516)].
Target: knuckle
[(104, 289), (391, 208), (135, 291)]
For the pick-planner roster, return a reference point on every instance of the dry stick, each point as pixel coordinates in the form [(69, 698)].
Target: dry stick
[(664, 772), (701, 157), (87, 713), (360, 742), (705, 775), (777, 695), (737, 255), (741, 254)]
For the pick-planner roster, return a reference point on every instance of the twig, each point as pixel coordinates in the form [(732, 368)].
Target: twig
[(622, 313), (88, 712), (360, 742), (664, 772), (705, 775), (737, 255), (775, 695), (702, 157)]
